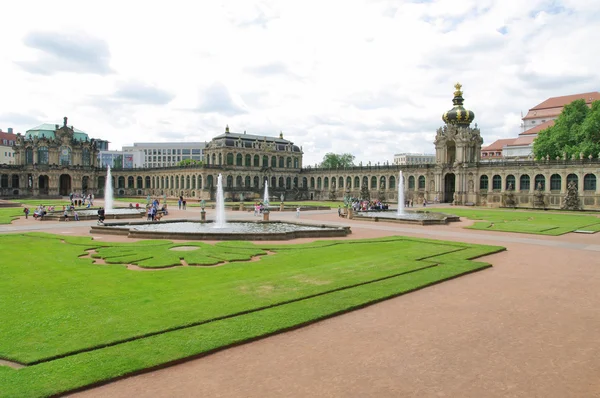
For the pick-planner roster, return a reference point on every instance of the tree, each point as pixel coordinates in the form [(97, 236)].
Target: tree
[(190, 162), (332, 160), (575, 131)]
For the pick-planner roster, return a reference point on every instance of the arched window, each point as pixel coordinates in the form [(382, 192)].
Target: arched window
[(341, 182), (121, 182), (326, 182), (167, 185), (483, 183), (85, 157), (411, 182), (304, 182), (348, 182), (85, 182), (229, 181), (265, 162), (288, 163), (214, 159), (365, 182), (230, 159), (296, 163), (256, 161), (382, 183), (176, 182), (392, 182), (496, 182), (43, 155), (147, 181), (187, 182), (29, 155), (312, 182), (555, 182), (238, 181), (281, 164), (288, 183), (318, 182), (238, 160), (248, 162), (220, 159), (373, 182), (356, 182), (4, 181), (193, 182), (101, 182), (200, 182), (210, 181), (421, 182), (130, 182), (510, 182), (295, 182), (256, 182), (524, 183), (573, 178), (589, 182), (65, 156), (273, 161), (247, 182), (540, 182), (273, 182), (140, 182)]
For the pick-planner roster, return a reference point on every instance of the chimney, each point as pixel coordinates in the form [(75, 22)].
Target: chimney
[(10, 130)]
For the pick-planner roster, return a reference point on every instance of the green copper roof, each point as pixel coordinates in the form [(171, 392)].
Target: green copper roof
[(47, 130)]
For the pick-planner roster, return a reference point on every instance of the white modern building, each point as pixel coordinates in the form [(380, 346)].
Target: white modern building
[(413, 158), (7, 140), (166, 154)]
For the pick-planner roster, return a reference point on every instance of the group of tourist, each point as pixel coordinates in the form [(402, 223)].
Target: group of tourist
[(182, 203), (368, 205), (80, 199), (259, 208), (155, 211)]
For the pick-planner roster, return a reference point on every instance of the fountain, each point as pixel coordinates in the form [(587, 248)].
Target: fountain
[(108, 191), (266, 195), (221, 230), (400, 211), (220, 207)]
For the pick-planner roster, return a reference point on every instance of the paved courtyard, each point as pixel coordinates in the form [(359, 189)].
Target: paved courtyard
[(528, 327)]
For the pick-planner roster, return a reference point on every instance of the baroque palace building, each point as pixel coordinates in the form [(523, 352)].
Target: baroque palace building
[(247, 161)]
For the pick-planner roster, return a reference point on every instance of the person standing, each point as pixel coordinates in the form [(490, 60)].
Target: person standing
[(297, 212), (26, 211)]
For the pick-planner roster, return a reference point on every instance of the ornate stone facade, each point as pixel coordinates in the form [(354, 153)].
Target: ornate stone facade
[(246, 161)]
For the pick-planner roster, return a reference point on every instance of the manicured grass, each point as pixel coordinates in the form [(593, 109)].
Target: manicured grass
[(45, 202), (76, 323), (529, 222), (7, 214)]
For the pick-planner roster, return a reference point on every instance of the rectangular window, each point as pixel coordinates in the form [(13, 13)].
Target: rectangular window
[(196, 151), (185, 151)]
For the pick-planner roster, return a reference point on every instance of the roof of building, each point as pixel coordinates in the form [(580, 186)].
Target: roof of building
[(47, 130), (7, 136), (523, 140), (535, 130), (498, 144), (228, 139), (553, 106)]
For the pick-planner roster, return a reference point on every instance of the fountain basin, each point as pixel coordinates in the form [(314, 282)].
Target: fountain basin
[(417, 217), (233, 230), (92, 214)]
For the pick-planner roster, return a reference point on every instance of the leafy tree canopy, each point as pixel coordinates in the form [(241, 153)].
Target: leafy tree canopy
[(575, 131), (332, 160), (190, 162)]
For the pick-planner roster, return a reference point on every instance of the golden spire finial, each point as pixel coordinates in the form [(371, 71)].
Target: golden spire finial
[(458, 93), (458, 86)]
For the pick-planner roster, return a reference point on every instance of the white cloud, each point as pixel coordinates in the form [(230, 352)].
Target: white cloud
[(371, 77)]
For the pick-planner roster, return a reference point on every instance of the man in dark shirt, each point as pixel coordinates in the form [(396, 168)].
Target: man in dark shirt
[(101, 215)]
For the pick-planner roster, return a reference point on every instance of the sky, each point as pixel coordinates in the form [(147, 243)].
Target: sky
[(366, 77)]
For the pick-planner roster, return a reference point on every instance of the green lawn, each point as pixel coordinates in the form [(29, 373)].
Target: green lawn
[(75, 323), (46, 202), (529, 222), (7, 214)]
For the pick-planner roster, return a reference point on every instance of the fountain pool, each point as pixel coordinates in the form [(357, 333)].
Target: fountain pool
[(407, 217), (232, 230)]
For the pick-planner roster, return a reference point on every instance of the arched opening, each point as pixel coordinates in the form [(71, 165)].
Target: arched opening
[(524, 183), (510, 182), (85, 183), (540, 182), (121, 182), (130, 181), (572, 178), (43, 184), (247, 182), (230, 159), (382, 184), (484, 183), (496, 183), (589, 182), (449, 187), (411, 183), (421, 182), (555, 182), (140, 182), (326, 182), (238, 181), (238, 159), (229, 181), (304, 182), (392, 182), (450, 152), (15, 181), (64, 185), (273, 181)]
